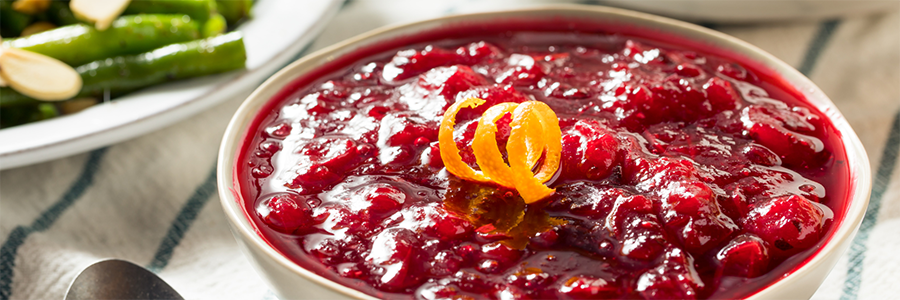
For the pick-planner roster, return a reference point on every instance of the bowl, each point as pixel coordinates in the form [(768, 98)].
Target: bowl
[(738, 11), (290, 281)]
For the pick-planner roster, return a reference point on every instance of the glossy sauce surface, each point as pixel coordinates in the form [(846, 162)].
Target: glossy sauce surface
[(683, 174)]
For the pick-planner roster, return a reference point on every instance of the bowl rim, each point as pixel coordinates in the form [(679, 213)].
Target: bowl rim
[(860, 180)]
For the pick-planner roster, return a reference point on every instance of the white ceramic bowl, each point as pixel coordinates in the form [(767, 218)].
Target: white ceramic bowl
[(745, 11), (290, 281)]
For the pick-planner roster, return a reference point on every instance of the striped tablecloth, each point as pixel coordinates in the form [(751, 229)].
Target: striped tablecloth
[(152, 200)]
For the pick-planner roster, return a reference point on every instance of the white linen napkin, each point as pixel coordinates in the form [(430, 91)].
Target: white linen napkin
[(152, 200)]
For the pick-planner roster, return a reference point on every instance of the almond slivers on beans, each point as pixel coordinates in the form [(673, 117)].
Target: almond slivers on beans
[(38, 76), (100, 12)]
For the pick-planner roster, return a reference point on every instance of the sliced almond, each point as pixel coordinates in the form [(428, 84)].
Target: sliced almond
[(37, 27), (31, 7), (99, 12), (39, 76), (2, 80)]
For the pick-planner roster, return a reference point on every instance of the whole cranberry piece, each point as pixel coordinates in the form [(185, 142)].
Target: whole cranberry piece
[(436, 291), (473, 282), (690, 212), (600, 156), (467, 250), (323, 162), (350, 270), (545, 239), (395, 253), (625, 206), (657, 285), (488, 266), (511, 293), (382, 198), (589, 287), (531, 278), (262, 170), (589, 151), (451, 80), (268, 148), (758, 154), (285, 213), (338, 218), (409, 63), (327, 249), (788, 224), (433, 154), (674, 278), (500, 252), (656, 174), (378, 112), (450, 227), (745, 256), (642, 237), (279, 130), (721, 94), (521, 70), (479, 51), (404, 130), (444, 263), (785, 132)]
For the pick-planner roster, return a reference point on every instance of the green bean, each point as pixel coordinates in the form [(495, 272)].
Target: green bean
[(11, 98), (234, 10), (178, 61), (124, 74), (12, 22), (78, 44), (26, 114), (199, 10), (59, 13), (216, 25)]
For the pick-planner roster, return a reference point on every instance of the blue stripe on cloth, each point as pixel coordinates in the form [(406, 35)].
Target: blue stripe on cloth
[(823, 35), (17, 237), (183, 222), (858, 249)]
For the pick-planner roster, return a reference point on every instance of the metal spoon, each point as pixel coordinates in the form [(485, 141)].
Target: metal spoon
[(119, 279)]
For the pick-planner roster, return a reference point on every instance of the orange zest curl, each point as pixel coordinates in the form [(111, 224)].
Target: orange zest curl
[(534, 134), (449, 152), (486, 150), (534, 120)]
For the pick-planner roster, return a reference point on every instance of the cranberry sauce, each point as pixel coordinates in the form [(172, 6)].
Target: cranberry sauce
[(684, 174)]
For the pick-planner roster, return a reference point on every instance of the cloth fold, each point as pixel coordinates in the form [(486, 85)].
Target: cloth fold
[(152, 200)]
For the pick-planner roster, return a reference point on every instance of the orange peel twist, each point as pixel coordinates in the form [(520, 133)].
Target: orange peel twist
[(449, 152), (534, 133), (486, 150), (542, 124)]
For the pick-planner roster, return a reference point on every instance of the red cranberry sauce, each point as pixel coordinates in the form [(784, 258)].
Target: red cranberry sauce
[(684, 174)]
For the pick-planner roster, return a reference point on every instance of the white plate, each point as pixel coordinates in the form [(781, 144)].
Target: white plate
[(278, 31)]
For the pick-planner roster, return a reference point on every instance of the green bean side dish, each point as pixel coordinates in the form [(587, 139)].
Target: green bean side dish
[(153, 42)]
